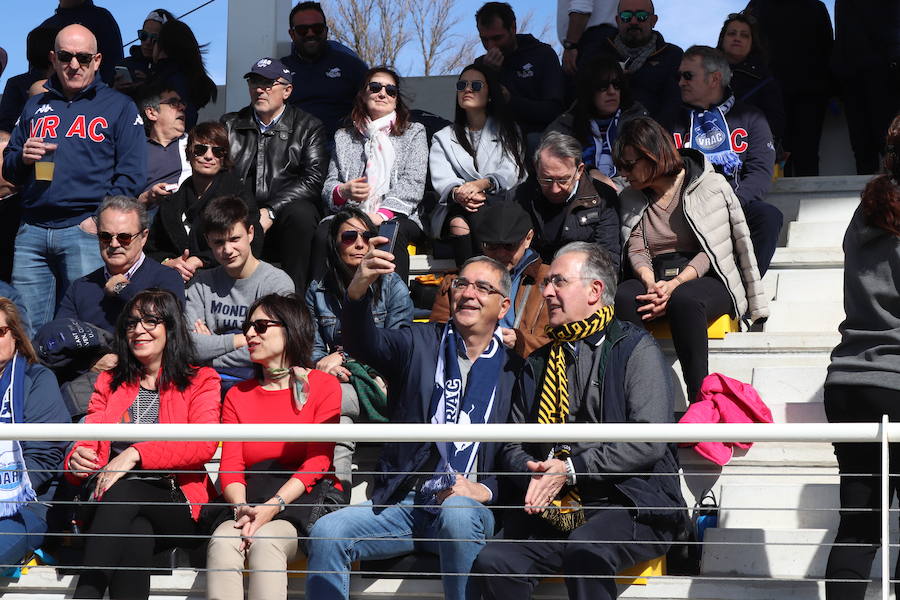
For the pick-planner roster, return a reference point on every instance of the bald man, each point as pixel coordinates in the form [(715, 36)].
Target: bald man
[(101, 23), (94, 137)]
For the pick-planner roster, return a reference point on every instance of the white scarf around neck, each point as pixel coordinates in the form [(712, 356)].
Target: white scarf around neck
[(380, 159)]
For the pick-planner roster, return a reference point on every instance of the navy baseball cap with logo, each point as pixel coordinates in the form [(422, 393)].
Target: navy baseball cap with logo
[(270, 68)]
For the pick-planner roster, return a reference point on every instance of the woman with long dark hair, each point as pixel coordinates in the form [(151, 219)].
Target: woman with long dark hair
[(178, 64), (603, 105), (863, 381), (379, 161), (276, 489), (478, 159), (147, 495)]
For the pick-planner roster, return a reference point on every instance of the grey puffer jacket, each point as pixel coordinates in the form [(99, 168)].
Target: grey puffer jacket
[(348, 161), (716, 218)]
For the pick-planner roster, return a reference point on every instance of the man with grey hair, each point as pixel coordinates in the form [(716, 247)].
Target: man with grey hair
[(565, 204), (736, 139), (578, 519), (167, 165)]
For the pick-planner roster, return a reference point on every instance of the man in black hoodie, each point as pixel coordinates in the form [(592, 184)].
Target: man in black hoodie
[(529, 69)]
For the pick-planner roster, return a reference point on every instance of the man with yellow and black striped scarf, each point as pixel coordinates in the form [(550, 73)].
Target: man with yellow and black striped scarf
[(590, 509)]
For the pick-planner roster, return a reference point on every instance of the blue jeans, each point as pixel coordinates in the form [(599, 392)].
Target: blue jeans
[(46, 262), (358, 533), (19, 535)]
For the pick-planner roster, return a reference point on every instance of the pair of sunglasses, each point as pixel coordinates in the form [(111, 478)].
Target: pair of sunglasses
[(640, 15), (686, 75), (349, 237), (146, 36), (389, 88), (124, 239), (201, 149), (84, 58), (316, 28), (615, 84), (260, 325), (475, 84)]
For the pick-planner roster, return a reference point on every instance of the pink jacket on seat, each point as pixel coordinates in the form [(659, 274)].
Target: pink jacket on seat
[(725, 400)]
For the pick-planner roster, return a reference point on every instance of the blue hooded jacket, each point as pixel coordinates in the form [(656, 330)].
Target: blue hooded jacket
[(102, 151)]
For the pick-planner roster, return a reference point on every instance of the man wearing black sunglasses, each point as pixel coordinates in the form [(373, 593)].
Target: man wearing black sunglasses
[(650, 62), (101, 23), (331, 73), (95, 139), (279, 152)]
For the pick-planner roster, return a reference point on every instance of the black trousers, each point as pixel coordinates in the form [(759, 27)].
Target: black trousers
[(860, 468), (132, 533), (764, 221), (290, 240), (693, 305), (871, 100), (609, 542), (805, 116)]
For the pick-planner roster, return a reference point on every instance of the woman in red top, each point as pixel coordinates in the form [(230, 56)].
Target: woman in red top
[(136, 491), (276, 489)]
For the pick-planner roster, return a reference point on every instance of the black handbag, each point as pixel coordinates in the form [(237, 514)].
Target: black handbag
[(667, 266)]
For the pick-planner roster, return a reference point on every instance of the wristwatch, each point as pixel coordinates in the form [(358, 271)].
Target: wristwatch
[(567, 45), (120, 287), (281, 502)]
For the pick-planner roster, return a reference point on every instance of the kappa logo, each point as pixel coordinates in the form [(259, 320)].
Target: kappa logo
[(138, 120), (263, 62), (44, 109), (527, 71), (333, 73)]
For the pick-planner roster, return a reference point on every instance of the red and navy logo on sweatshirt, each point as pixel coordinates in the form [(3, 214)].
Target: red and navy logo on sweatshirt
[(48, 126)]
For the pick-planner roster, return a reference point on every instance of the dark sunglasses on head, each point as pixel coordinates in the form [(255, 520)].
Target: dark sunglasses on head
[(201, 149), (476, 85), (349, 237), (686, 75), (316, 28), (173, 102), (147, 36), (124, 239), (84, 58), (615, 84), (389, 88), (260, 325), (640, 15)]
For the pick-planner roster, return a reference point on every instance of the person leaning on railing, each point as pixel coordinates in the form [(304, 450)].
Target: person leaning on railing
[(276, 490), (864, 376), (140, 497), (28, 394)]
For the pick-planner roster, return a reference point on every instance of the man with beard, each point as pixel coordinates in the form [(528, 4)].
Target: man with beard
[(649, 61), (331, 78)]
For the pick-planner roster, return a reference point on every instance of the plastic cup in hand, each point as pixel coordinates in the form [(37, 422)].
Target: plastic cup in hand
[(43, 169)]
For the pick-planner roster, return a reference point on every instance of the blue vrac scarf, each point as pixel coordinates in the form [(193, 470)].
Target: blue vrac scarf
[(15, 486), (710, 135), (451, 404), (599, 154)]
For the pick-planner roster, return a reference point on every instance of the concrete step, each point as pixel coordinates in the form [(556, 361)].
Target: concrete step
[(806, 505), (790, 384), (804, 316), (810, 234), (799, 285), (806, 258), (797, 412), (769, 455)]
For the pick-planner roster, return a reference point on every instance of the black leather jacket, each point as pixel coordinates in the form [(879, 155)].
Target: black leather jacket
[(285, 164)]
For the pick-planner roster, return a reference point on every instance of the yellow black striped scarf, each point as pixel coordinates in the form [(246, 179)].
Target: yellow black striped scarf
[(565, 513)]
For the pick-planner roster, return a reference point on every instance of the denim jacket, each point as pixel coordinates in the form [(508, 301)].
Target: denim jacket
[(394, 309)]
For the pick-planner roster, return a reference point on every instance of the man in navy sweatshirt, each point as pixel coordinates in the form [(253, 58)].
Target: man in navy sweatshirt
[(735, 137), (95, 138)]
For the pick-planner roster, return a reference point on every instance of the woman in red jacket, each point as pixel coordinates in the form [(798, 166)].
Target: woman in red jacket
[(276, 489), (147, 494)]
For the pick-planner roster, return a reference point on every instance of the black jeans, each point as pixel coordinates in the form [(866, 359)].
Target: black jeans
[(805, 117), (860, 468), (148, 521), (600, 548), (290, 239), (764, 222), (871, 100), (693, 305)]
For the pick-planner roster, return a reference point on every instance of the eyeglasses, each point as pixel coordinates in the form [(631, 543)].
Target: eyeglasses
[(201, 150), (316, 28), (390, 89), (260, 325), (482, 288), (628, 165), (147, 36), (475, 84), (548, 182), (4, 329), (149, 322), (84, 58), (615, 84), (124, 239), (349, 237), (263, 83), (686, 75), (558, 281), (174, 102), (640, 15)]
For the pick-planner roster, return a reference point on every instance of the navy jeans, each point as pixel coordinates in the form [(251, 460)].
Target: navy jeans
[(19, 535)]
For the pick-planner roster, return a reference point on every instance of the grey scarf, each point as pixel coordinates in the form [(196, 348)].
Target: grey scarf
[(635, 57)]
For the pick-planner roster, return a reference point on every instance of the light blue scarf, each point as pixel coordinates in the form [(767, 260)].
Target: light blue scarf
[(15, 486)]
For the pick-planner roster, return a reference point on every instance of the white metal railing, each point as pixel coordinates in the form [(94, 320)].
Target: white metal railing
[(882, 433)]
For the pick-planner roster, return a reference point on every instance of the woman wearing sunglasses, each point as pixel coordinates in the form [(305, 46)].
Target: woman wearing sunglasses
[(175, 238), (276, 490), (380, 160), (603, 105), (140, 59), (350, 232), (143, 497), (476, 160)]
